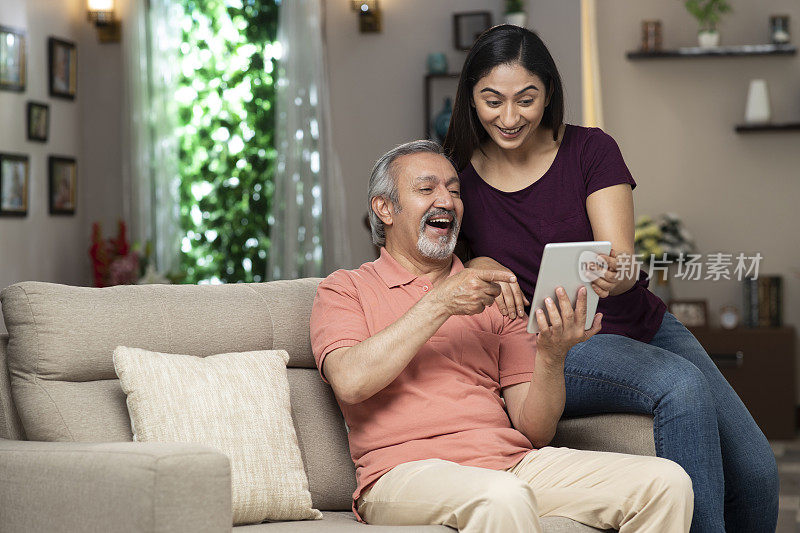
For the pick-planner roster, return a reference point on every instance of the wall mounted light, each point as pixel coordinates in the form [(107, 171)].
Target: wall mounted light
[(369, 15), (101, 13)]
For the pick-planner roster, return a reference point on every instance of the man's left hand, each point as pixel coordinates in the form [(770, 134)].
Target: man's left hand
[(567, 329)]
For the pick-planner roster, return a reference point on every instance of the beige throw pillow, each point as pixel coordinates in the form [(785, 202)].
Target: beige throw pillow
[(235, 402)]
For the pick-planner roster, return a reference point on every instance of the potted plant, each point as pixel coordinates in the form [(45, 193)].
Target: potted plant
[(515, 13), (708, 14), (663, 239)]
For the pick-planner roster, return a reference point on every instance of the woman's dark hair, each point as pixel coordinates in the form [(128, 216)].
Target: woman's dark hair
[(500, 45)]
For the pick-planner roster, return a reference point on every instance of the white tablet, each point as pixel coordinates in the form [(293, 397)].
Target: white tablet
[(569, 265)]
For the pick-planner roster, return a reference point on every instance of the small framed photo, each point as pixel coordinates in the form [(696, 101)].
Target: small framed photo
[(691, 313), (38, 121), (63, 182), (12, 59), (468, 26), (63, 61), (14, 174)]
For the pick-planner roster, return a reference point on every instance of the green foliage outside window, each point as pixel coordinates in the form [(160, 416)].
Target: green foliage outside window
[(227, 155)]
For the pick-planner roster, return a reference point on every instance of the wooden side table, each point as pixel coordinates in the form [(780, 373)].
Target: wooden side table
[(759, 363)]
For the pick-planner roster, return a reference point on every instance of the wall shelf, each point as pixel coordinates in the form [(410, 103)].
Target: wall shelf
[(719, 51), (753, 128)]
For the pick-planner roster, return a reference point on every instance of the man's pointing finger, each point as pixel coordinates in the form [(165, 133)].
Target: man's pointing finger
[(496, 275)]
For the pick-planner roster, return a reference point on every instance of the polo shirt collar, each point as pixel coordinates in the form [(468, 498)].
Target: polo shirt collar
[(394, 274)]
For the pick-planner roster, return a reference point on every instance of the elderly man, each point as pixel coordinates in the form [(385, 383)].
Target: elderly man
[(450, 405)]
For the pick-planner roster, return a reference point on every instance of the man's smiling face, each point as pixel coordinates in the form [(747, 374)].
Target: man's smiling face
[(428, 217)]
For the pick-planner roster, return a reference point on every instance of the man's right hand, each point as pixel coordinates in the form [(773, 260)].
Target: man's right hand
[(470, 291)]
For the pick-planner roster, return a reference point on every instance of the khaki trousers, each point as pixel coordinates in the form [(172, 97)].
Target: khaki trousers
[(599, 489)]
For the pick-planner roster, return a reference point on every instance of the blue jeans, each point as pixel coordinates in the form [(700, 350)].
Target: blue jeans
[(699, 421)]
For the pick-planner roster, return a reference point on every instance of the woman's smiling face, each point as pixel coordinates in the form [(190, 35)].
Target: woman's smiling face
[(510, 102)]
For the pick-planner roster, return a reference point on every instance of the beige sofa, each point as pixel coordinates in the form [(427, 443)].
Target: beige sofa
[(83, 473)]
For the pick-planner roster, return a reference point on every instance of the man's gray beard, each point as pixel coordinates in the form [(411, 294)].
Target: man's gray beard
[(442, 247)]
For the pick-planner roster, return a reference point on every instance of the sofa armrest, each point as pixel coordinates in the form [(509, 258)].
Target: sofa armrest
[(615, 432), (114, 486)]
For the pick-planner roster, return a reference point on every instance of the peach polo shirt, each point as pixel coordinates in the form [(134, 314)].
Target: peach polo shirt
[(446, 403)]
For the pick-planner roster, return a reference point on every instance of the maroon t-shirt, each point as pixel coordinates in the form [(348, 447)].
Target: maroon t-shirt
[(513, 227)]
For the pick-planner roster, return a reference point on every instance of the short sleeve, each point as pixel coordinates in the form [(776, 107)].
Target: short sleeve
[(337, 318), (517, 353), (602, 164)]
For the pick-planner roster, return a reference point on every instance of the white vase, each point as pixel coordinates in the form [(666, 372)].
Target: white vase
[(758, 109), (517, 19), (708, 39)]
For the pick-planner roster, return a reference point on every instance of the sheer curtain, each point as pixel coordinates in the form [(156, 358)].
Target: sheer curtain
[(308, 235), (150, 166)]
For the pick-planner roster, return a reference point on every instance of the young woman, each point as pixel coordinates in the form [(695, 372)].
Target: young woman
[(528, 179)]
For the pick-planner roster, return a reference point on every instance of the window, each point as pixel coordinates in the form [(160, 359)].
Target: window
[(227, 157)]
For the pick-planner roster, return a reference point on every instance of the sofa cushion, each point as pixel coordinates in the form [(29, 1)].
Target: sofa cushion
[(323, 441), (10, 426), (341, 522), (235, 402)]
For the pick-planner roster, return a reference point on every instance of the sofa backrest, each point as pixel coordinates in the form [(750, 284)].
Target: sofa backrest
[(62, 378)]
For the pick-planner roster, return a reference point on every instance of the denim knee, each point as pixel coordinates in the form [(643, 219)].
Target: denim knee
[(687, 390)]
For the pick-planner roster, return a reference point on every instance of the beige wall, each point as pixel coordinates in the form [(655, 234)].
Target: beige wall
[(674, 121), (40, 246), (377, 80)]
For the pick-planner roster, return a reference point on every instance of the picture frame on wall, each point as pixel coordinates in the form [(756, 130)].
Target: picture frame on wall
[(468, 26), (63, 68), (38, 121), (12, 59), (14, 185), (691, 313), (62, 185)]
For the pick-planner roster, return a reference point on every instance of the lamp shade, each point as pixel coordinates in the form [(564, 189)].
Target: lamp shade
[(100, 5)]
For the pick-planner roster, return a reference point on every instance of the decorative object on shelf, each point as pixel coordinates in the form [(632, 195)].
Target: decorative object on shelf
[(101, 13), (691, 313), (708, 14), (437, 88), (38, 123), (651, 36), (437, 63), (779, 29), (442, 120), (664, 240), (14, 180), (515, 13), (708, 39), (370, 17), (12, 59), (114, 260), (729, 317), (63, 71), (468, 26), (758, 108), (63, 181), (763, 302)]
